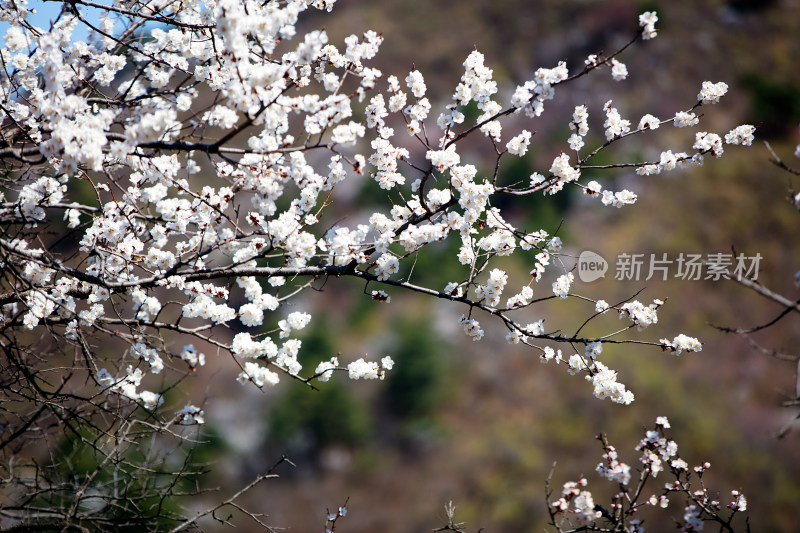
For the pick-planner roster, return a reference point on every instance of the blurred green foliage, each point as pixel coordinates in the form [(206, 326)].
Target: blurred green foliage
[(414, 386), (772, 101), (82, 192)]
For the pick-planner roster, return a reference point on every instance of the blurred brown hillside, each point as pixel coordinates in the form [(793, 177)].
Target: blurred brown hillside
[(482, 423)]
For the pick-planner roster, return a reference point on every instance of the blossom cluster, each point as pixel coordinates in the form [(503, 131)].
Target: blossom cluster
[(577, 505), (209, 197), (682, 343), (641, 315), (127, 386)]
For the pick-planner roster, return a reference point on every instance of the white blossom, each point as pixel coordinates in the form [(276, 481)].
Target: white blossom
[(647, 21), (618, 70), (519, 144), (640, 314), (684, 119), (708, 142), (386, 265), (681, 343), (471, 327), (741, 135), (324, 370), (649, 122), (192, 356), (710, 93), (362, 369), (191, 415), (562, 285), (257, 374), (614, 124)]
